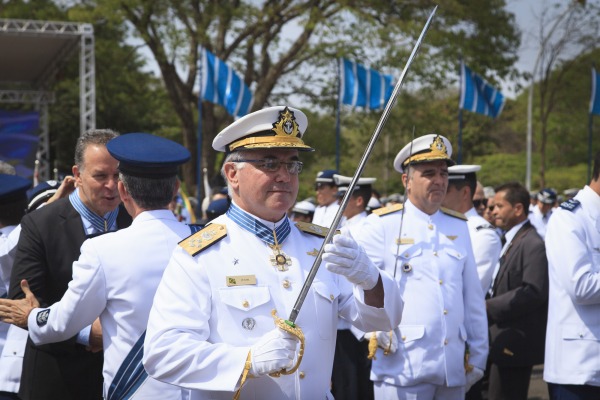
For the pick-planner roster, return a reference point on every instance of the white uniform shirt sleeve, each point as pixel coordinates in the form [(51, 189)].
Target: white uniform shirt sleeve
[(81, 304), (486, 248), (570, 260), (176, 349)]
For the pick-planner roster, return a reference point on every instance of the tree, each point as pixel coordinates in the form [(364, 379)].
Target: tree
[(285, 48), (564, 33)]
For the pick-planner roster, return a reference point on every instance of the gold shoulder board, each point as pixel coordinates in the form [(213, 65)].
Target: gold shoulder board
[(312, 229), (203, 239), (388, 210), (453, 213)]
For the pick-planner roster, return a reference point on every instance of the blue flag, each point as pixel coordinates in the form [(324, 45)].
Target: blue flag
[(220, 84), (364, 87), (595, 99), (479, 96)]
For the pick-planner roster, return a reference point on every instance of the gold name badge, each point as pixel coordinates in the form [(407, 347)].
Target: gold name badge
[(241, 280), (405, 241)]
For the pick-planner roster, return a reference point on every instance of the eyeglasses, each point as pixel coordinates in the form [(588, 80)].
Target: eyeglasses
[(273, 165), (477, 203)]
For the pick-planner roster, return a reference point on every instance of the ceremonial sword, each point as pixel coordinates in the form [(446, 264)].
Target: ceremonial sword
[(338, 216)]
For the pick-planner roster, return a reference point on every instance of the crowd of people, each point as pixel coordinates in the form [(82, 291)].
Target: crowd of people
[(453, 290)]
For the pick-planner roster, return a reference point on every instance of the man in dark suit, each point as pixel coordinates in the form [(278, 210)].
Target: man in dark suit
[(517, 306), (49, 243)]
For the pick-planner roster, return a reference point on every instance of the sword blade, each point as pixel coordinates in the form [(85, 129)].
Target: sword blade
[(338, 216)]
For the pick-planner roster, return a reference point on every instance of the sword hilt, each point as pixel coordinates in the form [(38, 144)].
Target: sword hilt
[(295, 330)]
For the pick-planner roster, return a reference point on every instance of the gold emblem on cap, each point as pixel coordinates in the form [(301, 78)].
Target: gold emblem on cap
[(438, 145), (286, 125), (437, 151)]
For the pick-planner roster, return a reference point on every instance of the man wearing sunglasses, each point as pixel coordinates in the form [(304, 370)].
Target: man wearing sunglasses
[(327, 200), (211, 328), (462, 181)]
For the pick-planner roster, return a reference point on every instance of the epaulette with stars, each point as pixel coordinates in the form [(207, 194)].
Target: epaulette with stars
[(203, 239), (388, 210), (570, 205), (453, 213), (312, 229)]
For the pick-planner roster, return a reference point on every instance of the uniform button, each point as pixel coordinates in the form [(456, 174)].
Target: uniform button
[(331, 297), (435, 253), (445, 312), (245, 304), (286, 284), (441, 281), (430, 227), (445, 342), (302, 374), (581, 335), (404, 338)]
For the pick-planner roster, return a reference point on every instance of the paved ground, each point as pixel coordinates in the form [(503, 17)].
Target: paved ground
[(538, 390)]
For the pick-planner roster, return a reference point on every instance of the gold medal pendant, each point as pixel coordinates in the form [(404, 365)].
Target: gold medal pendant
[(279, 259)]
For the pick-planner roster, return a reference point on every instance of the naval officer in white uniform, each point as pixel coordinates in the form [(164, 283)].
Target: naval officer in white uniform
[(117, 273), (462, 183), (428, 250), (571, 365), (211, 329)]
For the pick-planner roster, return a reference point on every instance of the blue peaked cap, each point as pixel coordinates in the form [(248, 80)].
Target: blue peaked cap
[(13, 188), (147, 156), (326, 176)]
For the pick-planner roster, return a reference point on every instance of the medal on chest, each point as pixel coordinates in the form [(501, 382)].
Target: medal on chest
[(279, 259)]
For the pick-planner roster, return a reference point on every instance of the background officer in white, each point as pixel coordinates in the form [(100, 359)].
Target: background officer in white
[(351, 366), (428, 250), (542, 210), (211, 329), (572, 365), (327, 201), (117, 273), (462, 181)]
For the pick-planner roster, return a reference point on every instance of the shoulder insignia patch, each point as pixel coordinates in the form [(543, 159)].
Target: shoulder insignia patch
[(453, 213), (388, 210), (203, 239), (312, 229), (570, 205), (42, 317), (487, 226)]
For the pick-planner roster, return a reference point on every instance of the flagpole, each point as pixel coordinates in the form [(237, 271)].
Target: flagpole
[(199, 141), (459, 158), (337, 117), (590, 130)]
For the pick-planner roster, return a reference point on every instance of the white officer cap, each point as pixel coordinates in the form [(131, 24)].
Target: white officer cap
[(304, 207), (273, 127), (426, 148), (343, 182), (462, 172), (373, 203)]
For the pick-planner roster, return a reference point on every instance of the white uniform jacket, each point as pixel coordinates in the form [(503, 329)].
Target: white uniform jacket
[(200, 328), (573, 250), (12, 338), (443, 303), (324, 215), (486, 247), (539, 221), (115, 278)]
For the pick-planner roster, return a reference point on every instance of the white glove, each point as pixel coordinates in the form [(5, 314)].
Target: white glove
[(274, 351), (472, 378), (345, 257), (388, 341)]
